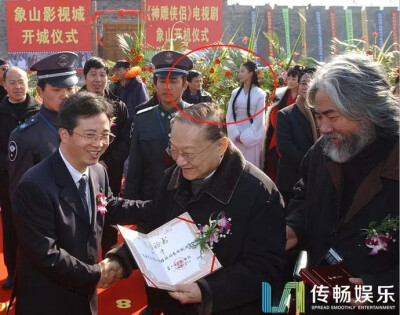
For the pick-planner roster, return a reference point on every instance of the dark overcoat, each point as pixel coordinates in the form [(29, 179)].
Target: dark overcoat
[(253, 253), (294, 137), (314, 214)]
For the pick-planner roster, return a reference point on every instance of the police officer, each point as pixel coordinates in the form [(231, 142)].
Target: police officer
[(15, 108), (148, 158), (37, 138)]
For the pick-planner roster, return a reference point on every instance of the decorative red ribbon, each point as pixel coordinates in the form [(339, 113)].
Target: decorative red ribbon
[(149, 280), (213, 263), (186, 220)]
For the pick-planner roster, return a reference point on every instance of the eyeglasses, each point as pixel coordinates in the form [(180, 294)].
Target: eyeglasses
[(93, 137), (188, 157)]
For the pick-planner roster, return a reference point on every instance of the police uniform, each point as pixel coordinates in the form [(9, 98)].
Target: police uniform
[(38, 137), (11, 115), (148, 158)]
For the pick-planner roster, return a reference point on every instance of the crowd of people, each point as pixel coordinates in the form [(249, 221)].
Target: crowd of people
[(310, 172)]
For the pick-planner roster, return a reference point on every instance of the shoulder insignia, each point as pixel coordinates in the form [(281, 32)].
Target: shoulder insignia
[(12, 151), (28, 123), (145, 110)]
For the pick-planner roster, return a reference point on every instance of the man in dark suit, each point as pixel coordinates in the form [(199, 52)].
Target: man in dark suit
[(58, 211)]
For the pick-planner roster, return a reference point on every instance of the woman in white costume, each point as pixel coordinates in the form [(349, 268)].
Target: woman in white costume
[(247, 100)]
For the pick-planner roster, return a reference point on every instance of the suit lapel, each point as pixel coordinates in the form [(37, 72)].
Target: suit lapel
[(69, 191)]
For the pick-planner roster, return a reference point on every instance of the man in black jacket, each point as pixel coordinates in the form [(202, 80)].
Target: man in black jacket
[(350, 177), (211, 176), (131, 91), (194, 92), (15, 108)]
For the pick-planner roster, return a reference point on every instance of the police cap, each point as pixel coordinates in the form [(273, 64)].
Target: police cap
[(58, 69), (164, 60), (122, 64)]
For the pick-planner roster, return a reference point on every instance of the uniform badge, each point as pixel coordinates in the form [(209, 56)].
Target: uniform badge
[(12, 151), (63, 60), (168, 57)]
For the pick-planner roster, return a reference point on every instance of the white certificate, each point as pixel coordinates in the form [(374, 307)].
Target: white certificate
[(166, 256)]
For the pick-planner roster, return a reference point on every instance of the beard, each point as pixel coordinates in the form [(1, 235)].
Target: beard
[(351, 143)]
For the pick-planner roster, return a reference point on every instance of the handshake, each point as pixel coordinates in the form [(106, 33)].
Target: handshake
[(111, 272)]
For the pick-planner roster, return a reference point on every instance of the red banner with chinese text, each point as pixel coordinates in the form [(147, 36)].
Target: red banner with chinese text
[(198, 22), (49, 25)]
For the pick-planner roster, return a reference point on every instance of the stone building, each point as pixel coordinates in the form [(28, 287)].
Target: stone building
[(316, 41)]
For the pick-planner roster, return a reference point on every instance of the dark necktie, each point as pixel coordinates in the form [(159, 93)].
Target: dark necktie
[(82, 192)]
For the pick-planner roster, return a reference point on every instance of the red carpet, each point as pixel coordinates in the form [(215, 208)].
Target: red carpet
[(125, 297)]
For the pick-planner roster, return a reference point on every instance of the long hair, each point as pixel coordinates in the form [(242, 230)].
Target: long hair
[(251, 67), (359, 89)]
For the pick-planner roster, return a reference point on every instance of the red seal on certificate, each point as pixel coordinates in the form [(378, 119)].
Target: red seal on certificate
[(179, 263)]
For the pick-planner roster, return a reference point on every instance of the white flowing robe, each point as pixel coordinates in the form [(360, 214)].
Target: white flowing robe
[(251, 134)]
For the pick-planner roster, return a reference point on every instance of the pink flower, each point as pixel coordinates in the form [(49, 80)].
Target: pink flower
[(101, 202), (213, 239), (223, 223), (378, 242)]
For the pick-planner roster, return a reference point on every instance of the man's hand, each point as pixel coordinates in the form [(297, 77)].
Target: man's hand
[(111, 272), (187, 293), (291, 238)]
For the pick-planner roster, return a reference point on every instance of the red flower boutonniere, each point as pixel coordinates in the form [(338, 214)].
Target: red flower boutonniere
[(378, 236), (101, 202)]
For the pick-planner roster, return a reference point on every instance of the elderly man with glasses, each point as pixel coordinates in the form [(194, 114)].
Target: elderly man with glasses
[(212, 177)]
